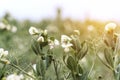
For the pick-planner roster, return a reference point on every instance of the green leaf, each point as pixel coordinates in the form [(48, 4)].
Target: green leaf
[(40, 67), (76, 44), (108, 57), (84, 76), (36, 47), (2, 72), (48, 61), (83, 51), (117, 74), (64, 59), (71, 64), (108, 66), (80, 69)]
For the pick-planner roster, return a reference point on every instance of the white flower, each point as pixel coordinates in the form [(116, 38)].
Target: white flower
[(2, 25), (66, 45), (33, 31), (3, 53), (40, 39), (65, 42), (56, 42), (110, 26), (65, 38), (1, 50), (53, 43), (34, 67), (14, 29), (14, 77)]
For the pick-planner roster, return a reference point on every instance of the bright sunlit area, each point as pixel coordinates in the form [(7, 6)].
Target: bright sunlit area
[(76, 9), (59, 40)]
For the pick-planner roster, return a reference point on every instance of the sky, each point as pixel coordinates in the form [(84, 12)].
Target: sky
[(75, 9)]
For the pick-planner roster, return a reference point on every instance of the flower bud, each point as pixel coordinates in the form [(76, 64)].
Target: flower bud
[(40, 39), (4, 61), (110, 27)]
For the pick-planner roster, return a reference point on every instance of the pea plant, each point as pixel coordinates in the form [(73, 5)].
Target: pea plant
[(111, 50), (74, 51)]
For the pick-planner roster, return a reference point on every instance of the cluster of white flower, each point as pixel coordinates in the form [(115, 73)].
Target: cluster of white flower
[(65, 40), (3, 54), (53, 43), (42, 37), (15, 77), (8, 27)]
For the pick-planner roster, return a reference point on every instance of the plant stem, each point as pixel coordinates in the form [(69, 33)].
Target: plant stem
[(56, 72), (114, 73), (73, 75), (3, 68), (17, 67)]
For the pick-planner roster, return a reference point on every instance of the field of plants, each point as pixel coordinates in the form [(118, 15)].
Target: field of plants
[(59, 49)]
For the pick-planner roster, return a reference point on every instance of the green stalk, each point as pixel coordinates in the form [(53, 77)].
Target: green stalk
[(73, 75), (56, 72), (115, 75), (17, 67), (3, 68)]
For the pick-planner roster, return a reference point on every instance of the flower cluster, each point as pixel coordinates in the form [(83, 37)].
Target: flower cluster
[(3, 54), (53, 43), (43, 38), (14, 77), (66, 42), (8, 27)]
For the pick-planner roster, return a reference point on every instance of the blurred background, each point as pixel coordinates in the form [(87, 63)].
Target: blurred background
[(58, 17), (75, 9)]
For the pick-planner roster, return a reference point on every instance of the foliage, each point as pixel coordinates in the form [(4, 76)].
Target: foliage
[(84, 52)]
